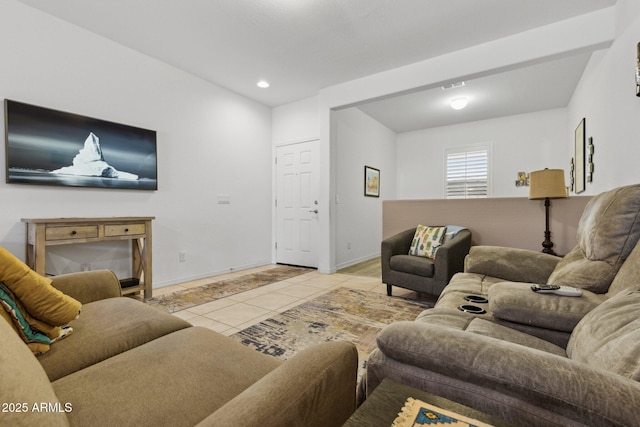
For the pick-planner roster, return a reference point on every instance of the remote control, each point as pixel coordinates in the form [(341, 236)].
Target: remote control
[(544, 289), (566, 291)]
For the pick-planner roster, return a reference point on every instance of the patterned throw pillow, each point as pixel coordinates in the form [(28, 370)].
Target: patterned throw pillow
[(427, 240)]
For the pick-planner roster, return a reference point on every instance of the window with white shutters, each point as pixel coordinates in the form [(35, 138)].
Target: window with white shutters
[(467, 173)]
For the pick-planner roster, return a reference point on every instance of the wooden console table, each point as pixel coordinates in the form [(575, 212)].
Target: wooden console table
[(45, 232)]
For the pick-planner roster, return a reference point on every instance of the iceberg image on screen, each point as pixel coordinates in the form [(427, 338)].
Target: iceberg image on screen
[(90, 162)]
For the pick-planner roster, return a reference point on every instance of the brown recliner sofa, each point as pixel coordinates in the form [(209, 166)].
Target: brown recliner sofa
[(607, 233), (535, 359), (129, 364)]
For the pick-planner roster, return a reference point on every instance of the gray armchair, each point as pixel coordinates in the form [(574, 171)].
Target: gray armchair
[(422, 274)]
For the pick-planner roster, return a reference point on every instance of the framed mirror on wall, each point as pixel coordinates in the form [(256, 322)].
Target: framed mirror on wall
[(579, 163)]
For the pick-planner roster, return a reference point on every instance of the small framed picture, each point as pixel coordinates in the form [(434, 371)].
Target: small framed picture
[(371, 182)]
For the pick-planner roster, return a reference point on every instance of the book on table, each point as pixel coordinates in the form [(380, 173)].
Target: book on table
[(416, 413)]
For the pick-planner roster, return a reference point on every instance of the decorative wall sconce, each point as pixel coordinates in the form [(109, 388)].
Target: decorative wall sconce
[(572, 174), (590, 160), (523, 179), (580, 163)]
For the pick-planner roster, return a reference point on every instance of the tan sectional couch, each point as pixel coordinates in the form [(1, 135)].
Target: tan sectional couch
[(128, 364), (532, 359)]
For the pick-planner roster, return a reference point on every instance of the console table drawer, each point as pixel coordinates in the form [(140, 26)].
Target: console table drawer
[(77, 232), (111, 230)]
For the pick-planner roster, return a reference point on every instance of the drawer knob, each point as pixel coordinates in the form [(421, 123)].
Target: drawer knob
[(74, 232), (126, 230)]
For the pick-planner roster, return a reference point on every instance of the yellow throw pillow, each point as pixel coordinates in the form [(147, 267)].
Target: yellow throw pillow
[(427, 240), (36, 294)]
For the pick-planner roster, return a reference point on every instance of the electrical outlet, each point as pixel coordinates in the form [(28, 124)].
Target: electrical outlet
[(182, 256), (348, 245)]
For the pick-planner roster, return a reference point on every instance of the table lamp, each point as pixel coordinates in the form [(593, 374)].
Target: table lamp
[(547, 184)]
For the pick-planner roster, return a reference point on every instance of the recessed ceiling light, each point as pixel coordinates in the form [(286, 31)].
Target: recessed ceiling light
[(459, 103), (263, 84)]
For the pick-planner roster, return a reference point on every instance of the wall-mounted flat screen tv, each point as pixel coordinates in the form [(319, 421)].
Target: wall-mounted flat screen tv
[(49, 147)]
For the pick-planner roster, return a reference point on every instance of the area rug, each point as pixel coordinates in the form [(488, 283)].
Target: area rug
[(181, 300), (340, 315)]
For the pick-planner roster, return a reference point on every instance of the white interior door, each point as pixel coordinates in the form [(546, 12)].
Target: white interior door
[(297, 207)]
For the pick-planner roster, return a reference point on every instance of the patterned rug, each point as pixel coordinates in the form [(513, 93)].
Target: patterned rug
[(187, 298), (340, 315)]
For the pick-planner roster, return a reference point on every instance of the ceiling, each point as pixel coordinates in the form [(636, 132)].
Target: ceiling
[(302, 46), (538, 87)]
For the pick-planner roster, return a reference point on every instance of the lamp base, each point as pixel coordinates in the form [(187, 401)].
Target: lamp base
[(547, 244)]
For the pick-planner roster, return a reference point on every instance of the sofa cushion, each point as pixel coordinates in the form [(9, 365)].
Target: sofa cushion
[(477, 325), (627, 277), (420, 266), (609, 336), (427, 240), (578, 271), (516, 302), (607, 233), (106, 328), (463, 285), (25, 384), (470, 284), (176, 380), (410, 343)]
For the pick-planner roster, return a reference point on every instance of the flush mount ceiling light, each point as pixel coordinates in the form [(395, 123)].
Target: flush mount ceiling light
[(459, 103), (263, 84)]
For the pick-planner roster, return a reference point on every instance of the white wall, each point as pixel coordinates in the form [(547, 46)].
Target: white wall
[(210, 142), (296, 121), (585, 32), (361, 141), (523, 142), (606, 98)]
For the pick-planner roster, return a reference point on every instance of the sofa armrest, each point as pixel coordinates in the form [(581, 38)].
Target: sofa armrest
[(88, 286), (316, 387), (450, 256), (516, 302), (575, 390), (511, 264)]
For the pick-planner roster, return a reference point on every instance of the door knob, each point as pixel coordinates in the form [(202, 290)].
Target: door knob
[(315, 211)]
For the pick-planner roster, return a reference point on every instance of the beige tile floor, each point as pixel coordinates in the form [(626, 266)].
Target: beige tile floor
[(237, 312)]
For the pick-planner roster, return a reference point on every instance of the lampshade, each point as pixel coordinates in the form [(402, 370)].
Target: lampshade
[(547, 183)]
